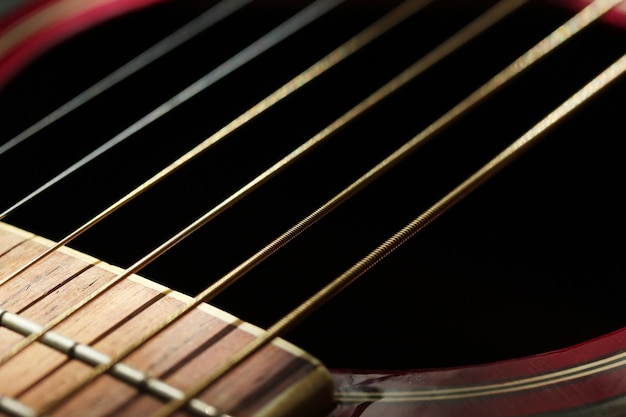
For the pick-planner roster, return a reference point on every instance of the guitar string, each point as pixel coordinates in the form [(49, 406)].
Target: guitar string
[(15, 408), (256, 110), (557, 37), (503, 159), (191, 29), (488, 19), (93, 357), (372, 32), (275, 36)]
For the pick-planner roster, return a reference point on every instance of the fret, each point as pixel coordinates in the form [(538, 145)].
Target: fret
[(15, 408), (93, 357), (202, 341)]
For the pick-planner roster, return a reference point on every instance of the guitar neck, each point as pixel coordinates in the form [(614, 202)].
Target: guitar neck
[(281, 380)]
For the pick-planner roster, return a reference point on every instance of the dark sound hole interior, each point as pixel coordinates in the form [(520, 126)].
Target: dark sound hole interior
[(531, 262)]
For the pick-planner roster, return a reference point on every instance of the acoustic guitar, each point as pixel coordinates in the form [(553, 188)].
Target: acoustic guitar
[(510, 303)]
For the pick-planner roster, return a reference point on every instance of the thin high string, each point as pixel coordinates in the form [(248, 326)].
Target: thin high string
[(272, 38), (489, 18), (375, 30), (293, 85), (201, 23), (338, 284)]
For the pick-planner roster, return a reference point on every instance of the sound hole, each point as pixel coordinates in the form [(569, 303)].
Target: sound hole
[(531, 262)]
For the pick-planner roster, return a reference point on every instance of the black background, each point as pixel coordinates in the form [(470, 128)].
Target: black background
[(532, 261)]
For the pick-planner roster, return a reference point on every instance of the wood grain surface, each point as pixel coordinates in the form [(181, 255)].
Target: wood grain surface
[(280, 380)]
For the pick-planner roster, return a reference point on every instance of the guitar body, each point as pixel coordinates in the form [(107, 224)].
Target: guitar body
[(509, 305)]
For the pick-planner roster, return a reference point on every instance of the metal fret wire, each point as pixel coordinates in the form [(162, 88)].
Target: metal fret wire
[(207, 19), (280, 33), (479, 177), (325, 63), (15, 408), (93, 357), (492, 16)]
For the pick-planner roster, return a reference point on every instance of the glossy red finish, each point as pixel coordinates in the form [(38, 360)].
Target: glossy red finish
[(616, 16), (63, 26), (588, 379)]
